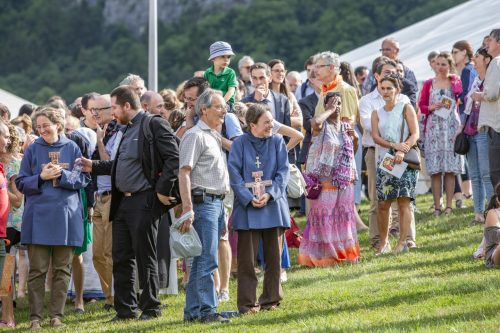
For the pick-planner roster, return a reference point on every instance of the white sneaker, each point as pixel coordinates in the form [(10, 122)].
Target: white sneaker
[(283, 276), (479, 254), (223, 296)]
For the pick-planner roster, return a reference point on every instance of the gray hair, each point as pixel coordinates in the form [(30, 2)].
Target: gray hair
[(205, 100), (495, 33), (391, 40), (295, 74), (131, 79), (244, 59), (330, 58)]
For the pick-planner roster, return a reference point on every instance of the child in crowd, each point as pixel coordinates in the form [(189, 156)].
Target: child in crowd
[(219, 75), (492, 231)]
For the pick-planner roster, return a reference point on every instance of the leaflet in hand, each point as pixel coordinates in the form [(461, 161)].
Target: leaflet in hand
[(388, 166), (448, 105)]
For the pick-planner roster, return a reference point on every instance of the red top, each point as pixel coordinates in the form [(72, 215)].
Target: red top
[(4, 203)]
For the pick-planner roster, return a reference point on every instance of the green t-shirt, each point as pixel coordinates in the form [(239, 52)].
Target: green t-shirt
[(222, 81)]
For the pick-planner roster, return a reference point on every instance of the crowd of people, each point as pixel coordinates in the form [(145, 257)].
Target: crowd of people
[(88, 191)]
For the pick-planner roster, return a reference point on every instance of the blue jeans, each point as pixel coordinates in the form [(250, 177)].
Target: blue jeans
[(201, 298), (479, 170)]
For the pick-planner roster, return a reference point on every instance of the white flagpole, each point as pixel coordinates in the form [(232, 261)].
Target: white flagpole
[(153, 46)]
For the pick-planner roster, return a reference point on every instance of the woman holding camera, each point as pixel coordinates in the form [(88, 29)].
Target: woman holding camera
[(440, 129), (330, 235), (386, 132), (259, 171)]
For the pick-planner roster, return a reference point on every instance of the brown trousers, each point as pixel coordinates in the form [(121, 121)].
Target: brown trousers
[(39, 257), (248, 248), (101, 245)]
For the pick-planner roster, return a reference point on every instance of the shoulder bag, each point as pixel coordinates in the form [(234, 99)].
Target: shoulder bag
[(412, 157)]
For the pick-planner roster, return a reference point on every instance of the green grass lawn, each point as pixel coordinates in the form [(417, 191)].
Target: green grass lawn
[(435, 288)]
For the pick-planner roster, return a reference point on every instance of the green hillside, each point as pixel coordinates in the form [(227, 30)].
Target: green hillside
[(66, 47)]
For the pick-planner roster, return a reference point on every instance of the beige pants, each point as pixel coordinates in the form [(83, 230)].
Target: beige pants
[(101, 245), (39, 257), (371, 167)]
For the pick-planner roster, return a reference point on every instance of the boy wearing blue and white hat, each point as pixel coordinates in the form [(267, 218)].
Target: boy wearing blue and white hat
[(219, 75)]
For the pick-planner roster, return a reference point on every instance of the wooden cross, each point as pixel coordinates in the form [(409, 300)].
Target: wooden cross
[(257, 162), (54, 159), (258, 186)]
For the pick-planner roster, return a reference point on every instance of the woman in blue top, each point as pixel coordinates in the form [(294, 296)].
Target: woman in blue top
[(53, 215), (259, 171), (462, 54)]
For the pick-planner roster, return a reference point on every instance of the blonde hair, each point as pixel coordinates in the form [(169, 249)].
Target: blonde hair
[(53, 115)]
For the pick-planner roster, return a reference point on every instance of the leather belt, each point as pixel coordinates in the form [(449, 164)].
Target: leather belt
[(215, 196)]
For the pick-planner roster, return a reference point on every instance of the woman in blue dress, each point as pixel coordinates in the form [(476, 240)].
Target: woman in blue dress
[(259, 171), (53, 215)]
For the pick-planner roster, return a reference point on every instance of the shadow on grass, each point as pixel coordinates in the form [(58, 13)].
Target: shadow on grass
[(409, 298), (338, 275), (411, 325)]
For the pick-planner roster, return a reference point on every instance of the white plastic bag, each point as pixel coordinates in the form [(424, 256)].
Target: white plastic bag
[(296, 183), (187, 244)]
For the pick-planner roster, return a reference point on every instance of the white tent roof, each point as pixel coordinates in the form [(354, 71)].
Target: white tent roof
[(470, 21), (12, 101)]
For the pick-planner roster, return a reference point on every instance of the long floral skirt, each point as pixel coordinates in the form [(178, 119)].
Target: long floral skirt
[(330, 235)]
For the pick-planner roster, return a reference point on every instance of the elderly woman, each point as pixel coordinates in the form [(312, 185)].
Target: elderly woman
[(330, 235), (258, 170), (442, 94), (387, 123), (52, 221)]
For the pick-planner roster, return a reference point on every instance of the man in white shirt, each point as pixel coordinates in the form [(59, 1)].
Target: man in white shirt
[(367, 104)]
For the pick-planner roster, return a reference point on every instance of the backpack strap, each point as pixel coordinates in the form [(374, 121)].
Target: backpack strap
[(149, 137)]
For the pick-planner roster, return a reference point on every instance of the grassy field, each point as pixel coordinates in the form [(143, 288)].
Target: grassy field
[(435, 288)]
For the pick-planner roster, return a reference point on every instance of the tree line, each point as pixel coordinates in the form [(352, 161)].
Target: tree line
[(66, 48)]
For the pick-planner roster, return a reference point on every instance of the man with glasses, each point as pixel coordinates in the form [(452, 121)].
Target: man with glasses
[(230, 130), (203, 184), (88, 120), (326, 70), (153, 103), (244, 68), (107, 133), (390, 49)]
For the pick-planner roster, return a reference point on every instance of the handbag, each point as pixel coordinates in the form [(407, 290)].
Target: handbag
[(296, 183), (461, 146), (412, 157), (184, 245), (293, 235), (313, 185)]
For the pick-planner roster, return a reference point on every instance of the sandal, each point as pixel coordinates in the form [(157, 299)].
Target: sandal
[(467, 196), (448, 211), (437, 212)]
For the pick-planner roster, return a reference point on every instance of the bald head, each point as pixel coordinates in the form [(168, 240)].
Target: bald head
[(100, 107), (152, 102), (390, 48)]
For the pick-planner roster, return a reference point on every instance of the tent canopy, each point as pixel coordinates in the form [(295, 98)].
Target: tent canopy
[(470, 21), (12, 101)]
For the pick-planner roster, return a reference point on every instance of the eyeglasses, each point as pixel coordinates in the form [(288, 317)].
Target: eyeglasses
[(96, 110), (319, 66), (190, 99), (385, 50), (219, 107)]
